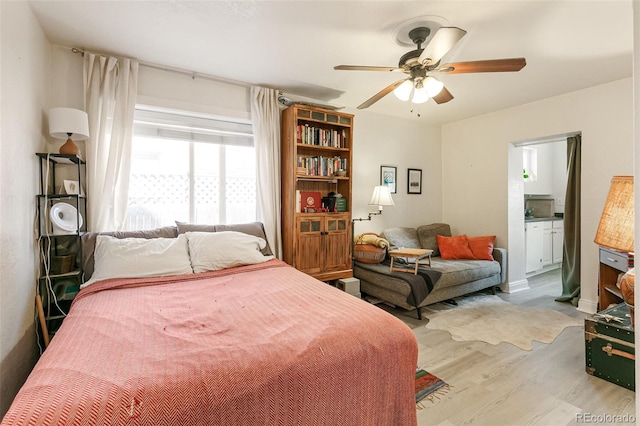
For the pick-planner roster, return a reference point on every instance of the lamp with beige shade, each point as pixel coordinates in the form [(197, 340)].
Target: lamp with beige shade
[(616, 230)]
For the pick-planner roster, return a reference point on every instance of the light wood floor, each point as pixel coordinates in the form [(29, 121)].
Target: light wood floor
[(505, 385)]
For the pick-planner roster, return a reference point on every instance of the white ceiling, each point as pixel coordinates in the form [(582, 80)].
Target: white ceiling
[(294, 45)]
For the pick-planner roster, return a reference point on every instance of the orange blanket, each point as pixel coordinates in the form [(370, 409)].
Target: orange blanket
[(255, 345)]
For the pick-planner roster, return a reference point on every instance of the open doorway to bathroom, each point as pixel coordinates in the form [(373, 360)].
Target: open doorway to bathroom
[(539, 178)]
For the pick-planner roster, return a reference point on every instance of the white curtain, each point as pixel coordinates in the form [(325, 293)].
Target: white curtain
[(265, 117), (110, 97)]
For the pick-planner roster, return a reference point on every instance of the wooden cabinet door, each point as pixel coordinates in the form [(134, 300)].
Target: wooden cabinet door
[(336, 244), (309, 253)]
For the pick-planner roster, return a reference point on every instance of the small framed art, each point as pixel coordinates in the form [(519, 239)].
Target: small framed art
[(72, 187), (388, 177), (414, 181)]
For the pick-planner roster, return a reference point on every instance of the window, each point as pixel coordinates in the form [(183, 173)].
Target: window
[(530, 164), (190, 168)]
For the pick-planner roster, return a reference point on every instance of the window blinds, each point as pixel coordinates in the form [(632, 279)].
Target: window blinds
[(152, 122)]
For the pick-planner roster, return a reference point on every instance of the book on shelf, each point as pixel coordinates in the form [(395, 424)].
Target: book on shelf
[(319, 165), (309, 135), (310, 200), (341, 204)]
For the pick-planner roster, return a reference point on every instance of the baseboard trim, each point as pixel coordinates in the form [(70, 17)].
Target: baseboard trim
[(587, 306), (515, 286)]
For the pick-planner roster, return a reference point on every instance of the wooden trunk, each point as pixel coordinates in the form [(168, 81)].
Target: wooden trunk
[(610, 346)]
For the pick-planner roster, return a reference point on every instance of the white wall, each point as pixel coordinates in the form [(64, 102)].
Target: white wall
[(66, 90), (383, 140), (475, 164), (24, 101)]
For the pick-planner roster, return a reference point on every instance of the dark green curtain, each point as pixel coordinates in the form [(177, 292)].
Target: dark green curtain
[(571, 255)]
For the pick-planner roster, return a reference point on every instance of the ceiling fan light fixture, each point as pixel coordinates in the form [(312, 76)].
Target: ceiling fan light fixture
[(432, 86), (403, 91), (420, 94), (433, 43)]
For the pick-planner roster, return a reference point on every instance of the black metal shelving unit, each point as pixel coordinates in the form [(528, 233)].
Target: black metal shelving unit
[(60, 252)]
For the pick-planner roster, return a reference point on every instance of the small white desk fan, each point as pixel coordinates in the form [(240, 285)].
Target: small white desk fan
[(65, 219)]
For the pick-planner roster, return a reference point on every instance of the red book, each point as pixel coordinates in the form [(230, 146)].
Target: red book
[(310, 200)]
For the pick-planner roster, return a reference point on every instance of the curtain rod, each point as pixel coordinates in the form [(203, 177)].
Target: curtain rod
[(192, 74)]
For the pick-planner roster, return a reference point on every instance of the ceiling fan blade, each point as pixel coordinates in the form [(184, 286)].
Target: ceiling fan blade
[(381, 94), (443, 40), (443, 97), (365, 68), (491, 65)]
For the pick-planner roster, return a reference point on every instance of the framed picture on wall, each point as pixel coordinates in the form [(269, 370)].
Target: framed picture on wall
[(414, 181), (388, 177)]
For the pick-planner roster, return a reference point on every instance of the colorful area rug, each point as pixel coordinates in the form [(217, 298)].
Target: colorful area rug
[(490, 319), (428, 387)]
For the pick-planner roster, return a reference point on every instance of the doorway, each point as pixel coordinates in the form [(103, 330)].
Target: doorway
[(537, 177)]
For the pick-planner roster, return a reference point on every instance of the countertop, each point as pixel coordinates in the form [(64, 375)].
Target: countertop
[(541, 219)]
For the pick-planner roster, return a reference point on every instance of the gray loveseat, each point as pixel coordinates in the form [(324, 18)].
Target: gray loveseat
[(444, 280)]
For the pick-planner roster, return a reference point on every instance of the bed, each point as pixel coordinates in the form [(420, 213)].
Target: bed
[(253, 344)]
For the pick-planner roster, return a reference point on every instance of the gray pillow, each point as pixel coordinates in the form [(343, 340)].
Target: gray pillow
[(194, 227), (427, 236), (401, 237)]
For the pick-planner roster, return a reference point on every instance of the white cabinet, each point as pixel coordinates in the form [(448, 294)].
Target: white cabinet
[(558, 241), (544, 244), (547, 243), (533, 246)]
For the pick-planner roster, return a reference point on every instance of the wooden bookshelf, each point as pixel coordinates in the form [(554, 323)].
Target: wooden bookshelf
[(317, 157)]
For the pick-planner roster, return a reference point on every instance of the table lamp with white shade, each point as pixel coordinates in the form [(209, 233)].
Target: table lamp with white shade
[(71, 124)]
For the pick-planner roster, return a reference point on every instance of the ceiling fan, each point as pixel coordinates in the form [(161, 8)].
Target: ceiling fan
[(422, 62)]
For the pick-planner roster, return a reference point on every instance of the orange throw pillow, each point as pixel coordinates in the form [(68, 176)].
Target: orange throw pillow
[(482, 247), (456, 247)]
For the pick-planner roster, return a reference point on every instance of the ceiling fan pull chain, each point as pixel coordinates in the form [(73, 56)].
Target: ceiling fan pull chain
[(415, 107)]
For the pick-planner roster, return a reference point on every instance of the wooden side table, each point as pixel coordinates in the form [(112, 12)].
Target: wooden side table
[(612, 264), (417, 254)]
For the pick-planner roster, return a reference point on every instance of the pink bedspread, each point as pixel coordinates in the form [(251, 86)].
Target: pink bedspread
[(255, 345)]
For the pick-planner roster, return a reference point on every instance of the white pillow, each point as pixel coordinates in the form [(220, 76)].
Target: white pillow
[(211, 251), (139, 257)]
